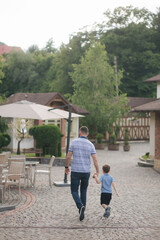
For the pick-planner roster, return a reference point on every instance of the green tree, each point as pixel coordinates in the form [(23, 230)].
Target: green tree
[(63, 64), (43, 63), (156, 27), (2, 75), (1, 69), (19, 73), (128, 34), (95, 90), (50, 46)]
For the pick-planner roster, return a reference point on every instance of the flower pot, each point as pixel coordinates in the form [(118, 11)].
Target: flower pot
[(126, 147), (113, 147), (99, 145)]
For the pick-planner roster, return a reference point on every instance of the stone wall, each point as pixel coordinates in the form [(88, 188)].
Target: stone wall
[(57, 161)]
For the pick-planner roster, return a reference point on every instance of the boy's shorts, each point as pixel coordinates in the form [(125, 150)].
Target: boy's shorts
[(106, 198)]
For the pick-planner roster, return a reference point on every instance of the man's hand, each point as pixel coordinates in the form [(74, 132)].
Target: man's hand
[(94, 175), (67, 170)]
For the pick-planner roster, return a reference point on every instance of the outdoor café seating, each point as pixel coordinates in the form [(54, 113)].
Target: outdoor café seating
[(28, 168), (2, 159), (44, 169), (14, 175)]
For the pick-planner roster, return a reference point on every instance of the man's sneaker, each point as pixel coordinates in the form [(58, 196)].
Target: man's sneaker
[(107, 212), (81, 213)]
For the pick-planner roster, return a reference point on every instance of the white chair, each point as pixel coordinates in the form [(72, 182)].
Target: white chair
[(2, 159), (7, 155), (13, 178), (4, 163), (25, 169), (44, 169)]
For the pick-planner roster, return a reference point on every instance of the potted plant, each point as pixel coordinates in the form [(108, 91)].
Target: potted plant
[(113, 145), (99, 141), (126, 146)]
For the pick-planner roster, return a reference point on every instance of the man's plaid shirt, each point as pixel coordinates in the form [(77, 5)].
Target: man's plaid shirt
[(82, 150)]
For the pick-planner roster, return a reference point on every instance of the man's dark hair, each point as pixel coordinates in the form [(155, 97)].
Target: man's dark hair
[(106, 168), (84, 129)]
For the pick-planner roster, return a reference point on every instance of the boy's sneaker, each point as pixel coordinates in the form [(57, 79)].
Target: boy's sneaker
[(107, 212), (81, 213)]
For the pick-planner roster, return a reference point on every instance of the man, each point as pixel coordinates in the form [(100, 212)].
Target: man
[(81, 149)]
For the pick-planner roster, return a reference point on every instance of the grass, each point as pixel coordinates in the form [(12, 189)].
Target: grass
[(63, 155), (46, 156), (146, 156)]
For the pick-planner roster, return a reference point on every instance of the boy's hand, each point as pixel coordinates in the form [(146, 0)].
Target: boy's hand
[(94, 175)]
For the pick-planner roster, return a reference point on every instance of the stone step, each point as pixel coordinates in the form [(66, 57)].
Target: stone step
[(147, 160), (7, 208), (145, 164)]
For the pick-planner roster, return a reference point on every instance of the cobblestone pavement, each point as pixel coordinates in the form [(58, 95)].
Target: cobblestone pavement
[(50, 213)]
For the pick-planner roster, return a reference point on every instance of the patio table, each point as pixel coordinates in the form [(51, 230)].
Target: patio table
[(30, 164)]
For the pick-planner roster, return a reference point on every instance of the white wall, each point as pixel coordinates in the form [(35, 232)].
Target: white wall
[(25, 143), (74, 129), (152, 134), (158, 89)]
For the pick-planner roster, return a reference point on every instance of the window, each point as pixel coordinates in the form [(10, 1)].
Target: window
[(56, 122)]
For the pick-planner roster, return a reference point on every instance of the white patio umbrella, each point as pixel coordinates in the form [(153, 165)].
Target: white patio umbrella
[(64, 113), (30, 110)]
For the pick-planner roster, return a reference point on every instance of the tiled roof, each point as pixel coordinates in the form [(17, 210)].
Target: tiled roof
[(6, 49), (79, 110), (149, 107), (137, 101), (44, 99), (40, 98), (47, 98), (153, 79)]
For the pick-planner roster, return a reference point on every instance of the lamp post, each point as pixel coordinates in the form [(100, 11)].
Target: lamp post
[(66, 183), (68, 136)]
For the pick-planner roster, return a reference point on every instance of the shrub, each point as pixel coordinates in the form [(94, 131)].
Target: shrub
[(117, 130), (99, 137), (126, 136), (112, 139), (5, 139), (48, 137)]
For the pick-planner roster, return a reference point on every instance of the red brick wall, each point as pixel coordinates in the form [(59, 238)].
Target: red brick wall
[(157, 135)]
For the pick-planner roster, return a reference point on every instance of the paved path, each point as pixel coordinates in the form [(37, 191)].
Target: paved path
[(48, 213)]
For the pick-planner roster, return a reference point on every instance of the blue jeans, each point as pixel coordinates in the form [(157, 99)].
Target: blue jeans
[(82, 180)]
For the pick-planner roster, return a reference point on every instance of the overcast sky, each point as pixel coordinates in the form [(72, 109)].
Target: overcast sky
[(28, 22)]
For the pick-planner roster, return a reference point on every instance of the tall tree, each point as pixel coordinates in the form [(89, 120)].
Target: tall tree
[(128, 34), (95, 89), (65, 58), (156, 27), (1, 69), (50, 46), (19, 73), (2, 64)]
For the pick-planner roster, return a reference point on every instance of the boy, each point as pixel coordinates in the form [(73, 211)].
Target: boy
[(107, 182)]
